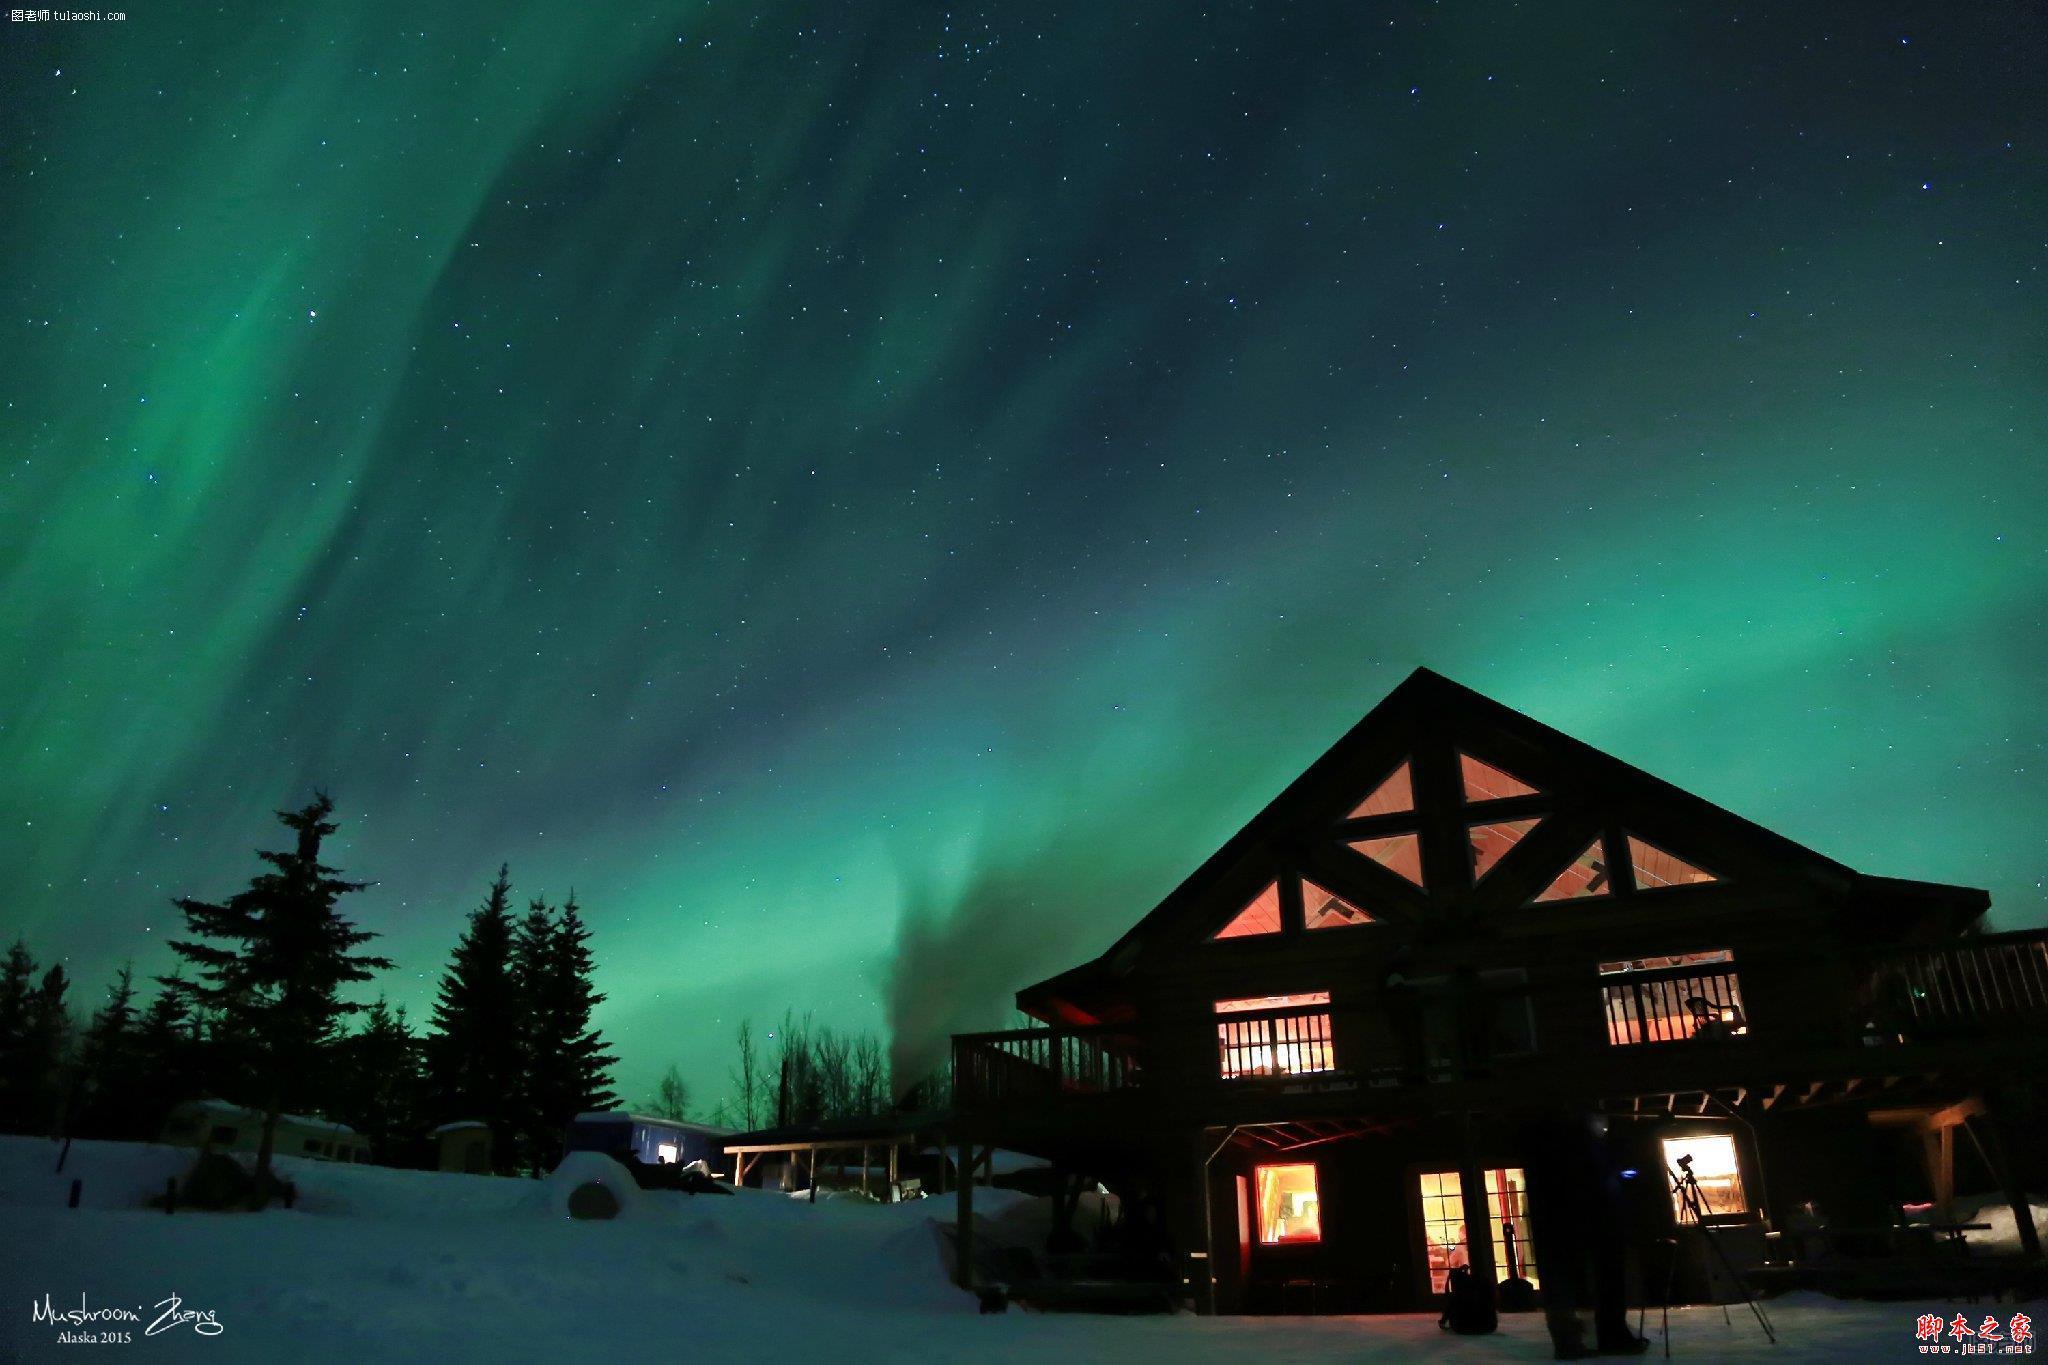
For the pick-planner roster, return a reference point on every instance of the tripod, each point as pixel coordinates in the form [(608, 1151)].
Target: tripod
[(1687, 1191)]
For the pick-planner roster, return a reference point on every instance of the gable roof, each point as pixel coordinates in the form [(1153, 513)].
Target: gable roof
[(1429, 710)]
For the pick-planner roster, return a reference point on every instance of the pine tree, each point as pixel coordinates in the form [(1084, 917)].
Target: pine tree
[(381, 1089), (17, 1068), (47, 1054), (272, 962), (474, 1053), (109, 1065), (568, 1069), (169, 1067), (540, 1045)]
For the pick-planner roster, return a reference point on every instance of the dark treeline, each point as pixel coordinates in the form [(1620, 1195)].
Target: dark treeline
[(810, 1073), (256, 1015)]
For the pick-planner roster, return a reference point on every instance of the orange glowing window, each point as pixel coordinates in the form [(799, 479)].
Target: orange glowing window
[(1274, 1035), (1390, 797), (1328, 910), (1261, 916), (1289, 1208), (1653, 867), (1587, 876), (1399, 853), (1714, 1165), (1490, 843), (1484, 782), (1443, 1227)]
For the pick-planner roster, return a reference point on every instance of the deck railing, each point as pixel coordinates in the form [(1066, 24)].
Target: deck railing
[(1673, 1005), (1957, 987), (1024, 1063), (1967, 987)]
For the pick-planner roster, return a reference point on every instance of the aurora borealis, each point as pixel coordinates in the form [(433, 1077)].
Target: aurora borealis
[(802, 474)]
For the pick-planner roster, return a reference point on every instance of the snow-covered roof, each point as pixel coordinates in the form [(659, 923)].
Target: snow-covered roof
[(227, 1110), (621, 1116), (459, 1126)]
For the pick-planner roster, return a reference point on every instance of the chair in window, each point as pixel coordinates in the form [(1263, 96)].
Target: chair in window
[(1710, 1020)]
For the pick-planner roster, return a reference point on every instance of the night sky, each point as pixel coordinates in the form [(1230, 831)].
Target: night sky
[(866, 492)]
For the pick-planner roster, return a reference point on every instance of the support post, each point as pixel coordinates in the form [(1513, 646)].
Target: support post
[(895, 1184), (814, 1175), (963, 1226), (863, 1169), (1989, 1130)]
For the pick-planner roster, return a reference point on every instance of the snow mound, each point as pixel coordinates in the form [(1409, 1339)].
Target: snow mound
[(562, 1194)]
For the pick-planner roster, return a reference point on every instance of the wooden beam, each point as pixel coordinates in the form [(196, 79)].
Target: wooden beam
[(963, 1226)]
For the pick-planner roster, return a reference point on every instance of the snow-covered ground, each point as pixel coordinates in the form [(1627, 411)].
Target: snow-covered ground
[(384, 1265)]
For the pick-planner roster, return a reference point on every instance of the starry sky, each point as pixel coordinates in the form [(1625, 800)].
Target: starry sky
[(871, 492)]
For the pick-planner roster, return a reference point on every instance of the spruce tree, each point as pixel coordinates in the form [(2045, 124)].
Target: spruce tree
[(109, 1065), (586, 1066), (17, 1067), (382, 1082), (540, 1045), (167, 1059), (271, 963), (474, 1054)]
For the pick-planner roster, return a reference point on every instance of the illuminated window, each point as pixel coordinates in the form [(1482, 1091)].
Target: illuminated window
[(1507, 1209), (665, 1152), (1443, 1227), (1715, 1167), (1289, 1210), (1275, 1035), (1400, 853), (1587, 876), (1654, 867), (1262, 916), (1490, 843), (1484, 782), (1672, 998), (1327, 910), (1390, 797)]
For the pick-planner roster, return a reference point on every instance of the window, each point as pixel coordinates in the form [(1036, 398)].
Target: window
[(315, 1145), (1587, 876), (1272, 1043), (223, 1133), (1289, 1210), (1261, 916), (1672, 998), (1507, 1210), (1484, 782), (1443, 1227), (1400, 853), (1655, 868), (1327, 910), (665, 1152), (1391, 797), (1715, 1167), (1490, 843)]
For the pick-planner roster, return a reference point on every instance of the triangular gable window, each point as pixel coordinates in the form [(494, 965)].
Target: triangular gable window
[(1400, 853), (1490, 843), (1484, 782), (1391, 797), (1587, 876), (1655, 868), (1262, 916), (1327, 910)]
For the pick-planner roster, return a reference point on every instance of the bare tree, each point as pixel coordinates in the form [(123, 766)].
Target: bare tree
[(747, 1080), (671, 1097)]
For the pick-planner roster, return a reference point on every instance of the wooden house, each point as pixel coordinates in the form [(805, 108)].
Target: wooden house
[(1305, 1071)]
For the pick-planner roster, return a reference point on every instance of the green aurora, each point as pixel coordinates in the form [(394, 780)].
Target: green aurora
[(809, 476)]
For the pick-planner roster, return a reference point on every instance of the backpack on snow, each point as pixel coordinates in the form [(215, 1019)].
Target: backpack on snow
[(1468, 1305)]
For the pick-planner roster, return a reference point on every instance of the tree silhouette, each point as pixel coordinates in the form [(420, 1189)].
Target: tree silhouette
[(474, 1053), (271, 963)]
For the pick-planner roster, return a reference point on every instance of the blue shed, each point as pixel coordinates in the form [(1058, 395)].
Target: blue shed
[(647, 1139)]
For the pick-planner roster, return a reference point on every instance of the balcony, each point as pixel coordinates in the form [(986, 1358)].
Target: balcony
[(1632, 1031)]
